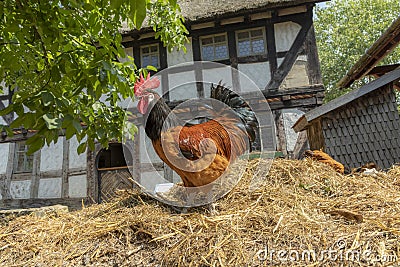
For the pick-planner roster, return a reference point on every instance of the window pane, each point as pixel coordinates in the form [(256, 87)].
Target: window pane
[(154, 60), (219, 39), (244, 48), (146, 60), (29, 163), (145, 50), (154, 48), (208, 52), (221, 52), (207, 41), (258, 46), (22, 162), (257, 33), (19, 165), (243, 35)]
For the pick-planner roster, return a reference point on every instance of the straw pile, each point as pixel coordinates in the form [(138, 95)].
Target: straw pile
[(304, 214)]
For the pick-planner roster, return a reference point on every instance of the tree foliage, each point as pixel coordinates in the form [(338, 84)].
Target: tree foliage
[(61, 60), (345, 29)]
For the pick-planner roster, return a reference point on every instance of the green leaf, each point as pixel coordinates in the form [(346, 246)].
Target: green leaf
[(35, 143), (7, 110), (77, 125), (55, 73), (149, 67), (138, 12), (51, 122), (81, 148), (47, 98), (69, 132), (173, 3)]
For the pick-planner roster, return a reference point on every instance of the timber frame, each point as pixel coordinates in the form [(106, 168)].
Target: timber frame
[(304, 98), (304, 44), (260, 14)]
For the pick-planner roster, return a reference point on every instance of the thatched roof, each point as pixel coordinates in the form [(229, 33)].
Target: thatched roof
[(388, 41), (194, 10), (201, 10)]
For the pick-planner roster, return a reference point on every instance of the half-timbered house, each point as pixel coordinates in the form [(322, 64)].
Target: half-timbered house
[(272, 42)]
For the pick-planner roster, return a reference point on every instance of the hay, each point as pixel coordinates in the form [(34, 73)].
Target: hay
[(303, 209)]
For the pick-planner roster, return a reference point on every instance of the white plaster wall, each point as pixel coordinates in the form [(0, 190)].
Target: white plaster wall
[(182, 86), (20, 189), (290, 116), (4, 151), (129, 52), (51, 157), (285, 34), (76, 160), (297, 76), (258, 73), (2, 121), (177, 57), (147, 153), (216, 75), (77, 186), (50, 188)]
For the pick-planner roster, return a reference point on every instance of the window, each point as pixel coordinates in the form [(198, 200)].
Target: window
[(22, 161), (250, 42), (214, 47), (150, 55)]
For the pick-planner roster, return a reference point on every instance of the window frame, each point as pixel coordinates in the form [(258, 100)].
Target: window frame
[(251, 39), (201, 38), (150, 54), (26, 158)]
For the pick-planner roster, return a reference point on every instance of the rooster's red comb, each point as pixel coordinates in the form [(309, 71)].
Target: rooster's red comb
[(143, 84)]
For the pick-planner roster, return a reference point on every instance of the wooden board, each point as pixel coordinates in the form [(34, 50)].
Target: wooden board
[(112, 181)]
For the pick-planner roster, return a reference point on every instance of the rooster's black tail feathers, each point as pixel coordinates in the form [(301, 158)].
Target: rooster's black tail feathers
[(239, 105)]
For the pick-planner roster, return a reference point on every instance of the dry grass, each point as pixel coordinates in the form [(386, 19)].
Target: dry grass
[(302, 206)]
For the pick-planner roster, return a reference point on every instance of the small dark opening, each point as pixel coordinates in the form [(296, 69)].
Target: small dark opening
[(114, 157)]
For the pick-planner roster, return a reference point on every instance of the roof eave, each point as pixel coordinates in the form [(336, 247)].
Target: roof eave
[(378, 50)]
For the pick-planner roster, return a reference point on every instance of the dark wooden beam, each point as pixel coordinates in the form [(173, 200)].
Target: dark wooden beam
[(271, 46), (313, 64), (381, 70), (291, 56), (232, 49), (196, 67)]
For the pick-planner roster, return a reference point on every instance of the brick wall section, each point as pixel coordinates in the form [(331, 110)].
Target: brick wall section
[(365, 130)]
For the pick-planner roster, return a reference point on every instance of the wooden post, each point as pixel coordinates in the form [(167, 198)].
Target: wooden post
[(280, 130), (9, 171), (301, 145), (65, 166), (35, 175)]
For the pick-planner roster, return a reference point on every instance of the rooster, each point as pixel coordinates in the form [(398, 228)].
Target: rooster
[(198, 153)]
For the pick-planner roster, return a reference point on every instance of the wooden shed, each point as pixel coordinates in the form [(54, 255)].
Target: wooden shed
[(359, 127)]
